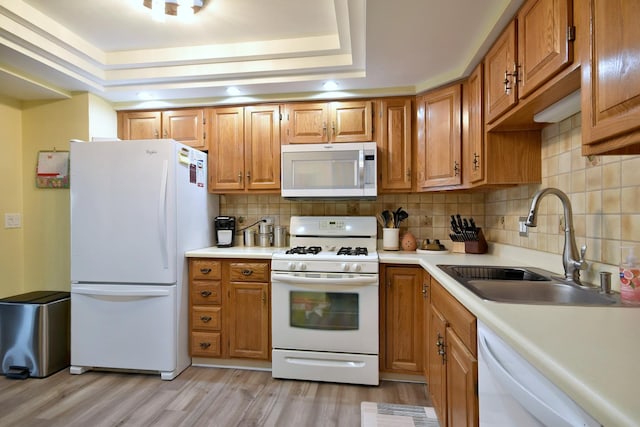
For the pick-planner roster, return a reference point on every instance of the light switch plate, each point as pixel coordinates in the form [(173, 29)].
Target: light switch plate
[(523, 229), (12, 220)]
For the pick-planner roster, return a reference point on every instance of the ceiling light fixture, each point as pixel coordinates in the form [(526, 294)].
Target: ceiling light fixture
[(233, 91), (330, 85), (180, 8)]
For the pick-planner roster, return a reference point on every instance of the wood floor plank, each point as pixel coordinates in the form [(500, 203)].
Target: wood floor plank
[(198, 397)]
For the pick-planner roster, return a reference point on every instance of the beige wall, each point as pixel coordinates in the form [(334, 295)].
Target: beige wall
[(11, 240), (36, 256), (604, 192)]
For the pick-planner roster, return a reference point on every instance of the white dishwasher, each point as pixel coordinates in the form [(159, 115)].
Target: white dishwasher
[(514, 393)]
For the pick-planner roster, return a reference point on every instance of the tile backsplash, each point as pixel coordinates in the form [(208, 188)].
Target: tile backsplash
[(604, 192)]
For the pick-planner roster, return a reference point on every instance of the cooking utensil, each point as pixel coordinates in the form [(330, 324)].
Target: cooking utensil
[(388, 221)]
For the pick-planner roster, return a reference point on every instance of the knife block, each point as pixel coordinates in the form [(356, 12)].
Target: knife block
[(477, 246)]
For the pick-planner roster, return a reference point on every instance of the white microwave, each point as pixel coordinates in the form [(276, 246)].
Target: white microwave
[(329, 171)]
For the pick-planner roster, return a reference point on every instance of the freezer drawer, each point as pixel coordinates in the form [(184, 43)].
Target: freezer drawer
[(124, 327), (34, 333)]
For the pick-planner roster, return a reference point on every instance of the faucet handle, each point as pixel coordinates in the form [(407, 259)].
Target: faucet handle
[(582, 264)]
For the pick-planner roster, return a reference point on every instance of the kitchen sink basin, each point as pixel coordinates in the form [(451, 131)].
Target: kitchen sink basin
[(525, 285)]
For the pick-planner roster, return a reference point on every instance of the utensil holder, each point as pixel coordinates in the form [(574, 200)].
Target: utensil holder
[(390, 239)]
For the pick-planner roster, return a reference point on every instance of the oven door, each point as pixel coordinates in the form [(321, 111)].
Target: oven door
[(335, 312)]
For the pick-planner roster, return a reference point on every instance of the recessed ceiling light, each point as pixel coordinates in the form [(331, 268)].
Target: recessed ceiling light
[(330, 85), (233, 91), (146, 96)]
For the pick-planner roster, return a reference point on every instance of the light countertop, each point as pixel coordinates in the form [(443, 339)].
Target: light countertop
[(589, 352)]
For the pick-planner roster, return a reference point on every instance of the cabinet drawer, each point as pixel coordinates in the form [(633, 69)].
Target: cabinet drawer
[(249, 272), (206, 318), (461, 320), (206, 292), (205, 344), (204, 269)]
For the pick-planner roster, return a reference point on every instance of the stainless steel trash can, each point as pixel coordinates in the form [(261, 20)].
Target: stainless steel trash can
[(34, 333)]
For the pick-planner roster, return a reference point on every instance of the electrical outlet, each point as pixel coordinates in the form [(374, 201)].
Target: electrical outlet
[(522, 228), (12, 220)]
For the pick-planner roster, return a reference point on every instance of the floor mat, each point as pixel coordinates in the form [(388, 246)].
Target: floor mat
[(374, 414)]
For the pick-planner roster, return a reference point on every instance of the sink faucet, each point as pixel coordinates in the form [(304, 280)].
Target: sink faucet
[(572, 264)]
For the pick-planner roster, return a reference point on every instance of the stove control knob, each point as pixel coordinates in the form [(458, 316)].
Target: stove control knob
[(344, 266), (291, 266), (302, 266), (356, 267)]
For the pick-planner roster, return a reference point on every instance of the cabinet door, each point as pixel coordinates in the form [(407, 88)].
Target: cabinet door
[(249, 320), (462, 387), (394, 142), (306, 123), (439, 138), (544, 44), (473, 129), (262, 147), (403, 319), (437, 364), (501, 59), (226, 150), (611, 80), (185, 126), (351, 121), (140, 125)]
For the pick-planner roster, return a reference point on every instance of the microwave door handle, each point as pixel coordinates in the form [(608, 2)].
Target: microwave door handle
[(361, 169)]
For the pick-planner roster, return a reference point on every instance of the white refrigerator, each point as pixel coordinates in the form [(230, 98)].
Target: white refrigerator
[(136, 207)]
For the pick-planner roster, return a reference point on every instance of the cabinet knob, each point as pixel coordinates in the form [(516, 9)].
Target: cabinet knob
[(248, 176), (240, 177)]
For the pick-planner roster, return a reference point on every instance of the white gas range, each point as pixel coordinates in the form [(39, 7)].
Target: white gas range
[(325, 301)]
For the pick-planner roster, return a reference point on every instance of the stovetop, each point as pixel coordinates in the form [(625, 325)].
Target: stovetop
[(315, 250)]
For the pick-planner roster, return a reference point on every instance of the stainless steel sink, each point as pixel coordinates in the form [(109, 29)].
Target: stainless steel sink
[(525, 285)]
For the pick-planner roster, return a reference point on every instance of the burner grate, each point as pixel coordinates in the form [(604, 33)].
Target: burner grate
[(303, 250), (348, 250)]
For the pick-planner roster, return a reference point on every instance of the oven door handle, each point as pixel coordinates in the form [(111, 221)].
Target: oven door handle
[(302, 280)]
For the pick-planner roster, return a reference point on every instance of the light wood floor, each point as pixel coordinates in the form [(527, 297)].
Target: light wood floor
[(197, 397)]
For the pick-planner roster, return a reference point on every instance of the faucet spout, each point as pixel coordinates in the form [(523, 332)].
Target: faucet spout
[(571, 260)]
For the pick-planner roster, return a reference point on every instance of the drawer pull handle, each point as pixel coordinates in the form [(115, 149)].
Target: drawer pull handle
[(205, 345), (205, 319), (247, 272), (205, 270), (205, 293)]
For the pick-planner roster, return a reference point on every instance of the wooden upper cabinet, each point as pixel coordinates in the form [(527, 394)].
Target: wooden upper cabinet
[(185, 126), (439, 139), (394, 143), (534, 47), (139, 124), (226, 148), (351, 121), (306, 123), (611, 81), (321, 122), (473, 128), (244, 151), (262, 147), (500, 61), (545, 42)]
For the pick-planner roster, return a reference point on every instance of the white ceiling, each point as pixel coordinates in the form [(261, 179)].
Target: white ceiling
[(268, 49)]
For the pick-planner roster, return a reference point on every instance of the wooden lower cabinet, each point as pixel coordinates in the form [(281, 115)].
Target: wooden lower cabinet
[(401, 316), (230, 308), (453, 364)]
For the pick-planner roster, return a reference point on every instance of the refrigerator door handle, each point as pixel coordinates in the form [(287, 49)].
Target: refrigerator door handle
[(162, 215), (119, 292)]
